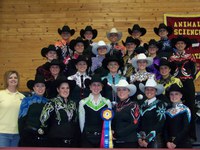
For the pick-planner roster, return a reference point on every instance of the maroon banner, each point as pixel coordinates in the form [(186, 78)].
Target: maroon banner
[(189, 26)]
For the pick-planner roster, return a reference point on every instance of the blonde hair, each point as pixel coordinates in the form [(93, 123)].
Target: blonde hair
[(7, 75)]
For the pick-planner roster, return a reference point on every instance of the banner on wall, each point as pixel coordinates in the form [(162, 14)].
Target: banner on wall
[(189, 26)]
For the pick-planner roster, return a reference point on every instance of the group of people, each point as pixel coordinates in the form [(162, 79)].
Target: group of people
[(93, 94)]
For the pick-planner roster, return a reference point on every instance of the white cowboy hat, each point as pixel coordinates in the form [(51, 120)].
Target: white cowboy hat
[(141, 56), (124, 83), (152, 83), (114, 30), (100, 44)]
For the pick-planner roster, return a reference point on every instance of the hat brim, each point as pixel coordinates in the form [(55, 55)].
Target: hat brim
[(185, 40), (96, 46), (72, 31), (132, 88), (116, 59), (142, 30), (74, 42), (94, 32), (30, 83), (159, 88), (118, 33), (148, 59), (168, 28)]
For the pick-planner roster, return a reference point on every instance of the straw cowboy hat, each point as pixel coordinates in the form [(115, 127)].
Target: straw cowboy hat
[(152, 83), (100, 44), (123, 83), (88, 28), (138, 28), (66, 29), (141, 56), (114, 30), (163, 26)]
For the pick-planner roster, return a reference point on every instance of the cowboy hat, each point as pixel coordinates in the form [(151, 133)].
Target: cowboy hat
[(141, 56), (78, 40), (163, 26), (130, 39), (139, 50), (64, 79), (56, 62), (163, 62), (51, 47), (186, 40), (123, 83), (152, 83), (138, 28), (100, 44), (114, 58), (175, 87), (114, 30), (83, 58), (38, 79), (88, 28), (153, 42), (66, 29), (95, 78)]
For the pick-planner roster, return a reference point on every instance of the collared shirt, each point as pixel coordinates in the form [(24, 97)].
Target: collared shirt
[(9, 110), (77, 78), (149, 101), (141, 76), (96, 62), (113, 80)]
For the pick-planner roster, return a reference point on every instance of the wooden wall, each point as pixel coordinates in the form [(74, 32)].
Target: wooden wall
[(26, 26)]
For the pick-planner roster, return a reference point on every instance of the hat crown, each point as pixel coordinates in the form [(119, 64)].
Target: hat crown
[(162, 25), (122, 83), (153, 42), (88, 28), (151, 83), (65, 28), (101, 43), (113, 30), (175, 87), (136, 27), (52, 47)]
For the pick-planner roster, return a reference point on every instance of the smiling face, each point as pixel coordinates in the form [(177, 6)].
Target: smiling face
[(96, 88), (88, 35), (163, 33), (175, 96), (102, 50), (152, 49), (113, 66), (165, 71), (150, 92), (63, 90), (180, 46), (79, 47), (81, 66), (130, 47), (136, 34), (65, 35), (12, 80), (123, 93), (113, 37), (51, 55), (39, 88), (142, 64), (55, 70)]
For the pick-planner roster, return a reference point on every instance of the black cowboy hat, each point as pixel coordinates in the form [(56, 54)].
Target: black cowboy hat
[(137, 27), (119, 60), (130, 39), (38, 79), (95, 78), (163, 62), (66, 29), (186, 40), (163, 26), (56, 62), (51, 47), (63, 79), (152, 42), (140, 49), (88, 28), (77, 40), (83, 58), (175, 87)]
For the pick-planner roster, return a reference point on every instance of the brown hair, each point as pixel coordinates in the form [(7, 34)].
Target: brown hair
[(7, 75)]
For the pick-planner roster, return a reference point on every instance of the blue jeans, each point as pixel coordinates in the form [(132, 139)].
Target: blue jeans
[(9, 140)]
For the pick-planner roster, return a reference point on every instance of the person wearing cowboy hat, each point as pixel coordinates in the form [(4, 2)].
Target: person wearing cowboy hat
[(100, 50), (152, 47), (29, 114), (126, 119), (178, 119), (184, 68), (82, 64), (51, 52), (130, 45), (59, 117), (113, 64), (152, 118), (137, 32), (89, 34), (65, 34), (89, 112), (78, 46), (164, 32), (114, 36), (140, 63)]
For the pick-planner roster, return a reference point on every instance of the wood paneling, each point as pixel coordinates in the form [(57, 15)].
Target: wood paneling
[(27, 26)]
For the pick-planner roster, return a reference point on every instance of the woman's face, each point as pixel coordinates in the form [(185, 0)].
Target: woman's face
[(142, 64), (51, 55), (123, 93), (150, 92), (55, 70), (102, 50), (163, 33), (175, 96), (136, 34), (113, 66), (63, 90), (13, 80), (152, 49), (113, 37), (88, 35), (81, 66), (130, 47), (79, 47), (96, 88), (164, 71), (180, 45), (39, 88), (65, 35)]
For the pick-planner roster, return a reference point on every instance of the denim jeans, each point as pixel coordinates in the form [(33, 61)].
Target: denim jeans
[(9, 140)]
